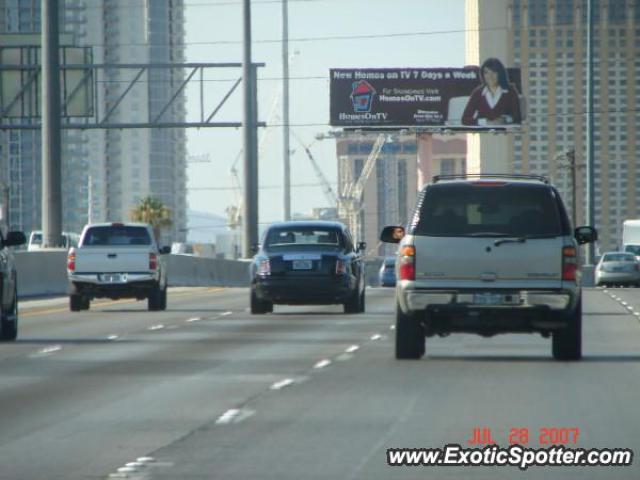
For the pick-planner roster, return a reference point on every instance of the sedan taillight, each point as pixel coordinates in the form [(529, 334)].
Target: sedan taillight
[(153, 261), (569, 264), (264, 267), (407, 263), (71, 260)]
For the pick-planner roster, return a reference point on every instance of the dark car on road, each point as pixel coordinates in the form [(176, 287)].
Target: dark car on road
[(9, 286), (308, 263)]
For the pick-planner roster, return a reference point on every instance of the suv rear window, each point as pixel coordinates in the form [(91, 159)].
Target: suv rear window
[(491, 211), (116, 235)]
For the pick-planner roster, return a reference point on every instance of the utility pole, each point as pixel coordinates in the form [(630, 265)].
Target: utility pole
[(249, 134), (571, 158), (590, 190), (51, 141), (90, 200), (285, 111)]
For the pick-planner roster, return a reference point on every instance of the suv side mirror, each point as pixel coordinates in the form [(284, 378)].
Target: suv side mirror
[(392, 234), (362, 246), (15, 238), (165, 250), (585, 235), (255, 248)]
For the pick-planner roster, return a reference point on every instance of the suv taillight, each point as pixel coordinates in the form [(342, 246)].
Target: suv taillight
[(569, 264), (341, 267), (265, 267), (71, 260), (407, 263), (153, 261)]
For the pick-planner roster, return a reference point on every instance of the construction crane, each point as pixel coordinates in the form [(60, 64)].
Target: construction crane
[(329, 194), (350, 204)]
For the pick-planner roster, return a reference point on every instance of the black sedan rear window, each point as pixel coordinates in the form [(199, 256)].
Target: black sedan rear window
[(488, 210), (287, 236), (116, 235)]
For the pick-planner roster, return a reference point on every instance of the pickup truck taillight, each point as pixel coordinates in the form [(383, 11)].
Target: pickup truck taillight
[(71, 260), (569, 264), (408, 263), (153, 261)]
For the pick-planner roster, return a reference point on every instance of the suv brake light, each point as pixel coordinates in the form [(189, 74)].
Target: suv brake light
[(408, 263), (153, 261), (341, 267), (569, 264), (71, 260)]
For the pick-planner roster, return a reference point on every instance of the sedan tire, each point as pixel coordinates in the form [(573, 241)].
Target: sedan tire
[(259, 307)]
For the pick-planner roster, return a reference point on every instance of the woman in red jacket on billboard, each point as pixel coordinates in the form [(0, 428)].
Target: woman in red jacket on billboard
[(495, 101)]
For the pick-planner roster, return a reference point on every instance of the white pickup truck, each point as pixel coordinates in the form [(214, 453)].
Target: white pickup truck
[(117, 260)]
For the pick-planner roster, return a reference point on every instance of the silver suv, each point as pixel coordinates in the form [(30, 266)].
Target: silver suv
[(489, 254)]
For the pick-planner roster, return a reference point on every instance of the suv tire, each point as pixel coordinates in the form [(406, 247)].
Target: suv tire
[(566, 344), (352, 305), (410, 337), (154, 300)]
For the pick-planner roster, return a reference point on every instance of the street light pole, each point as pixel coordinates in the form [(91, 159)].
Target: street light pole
[(51, 138), (571, 157), (590, 220), (285, 111)]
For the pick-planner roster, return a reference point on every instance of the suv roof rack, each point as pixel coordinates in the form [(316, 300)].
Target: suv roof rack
[(540, 178)]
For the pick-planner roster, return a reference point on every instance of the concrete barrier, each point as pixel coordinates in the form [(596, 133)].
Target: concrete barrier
[(42, 272)]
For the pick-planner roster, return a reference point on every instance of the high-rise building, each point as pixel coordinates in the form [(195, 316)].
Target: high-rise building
[(547, 40), (106, 172)]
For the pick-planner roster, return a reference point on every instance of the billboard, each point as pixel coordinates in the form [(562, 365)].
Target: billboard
[(457, 98)]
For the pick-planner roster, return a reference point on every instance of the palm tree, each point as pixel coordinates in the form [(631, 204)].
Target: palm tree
[(152, 211)]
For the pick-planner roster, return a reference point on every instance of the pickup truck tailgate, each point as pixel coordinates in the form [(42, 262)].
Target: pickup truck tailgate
[(112, 260)]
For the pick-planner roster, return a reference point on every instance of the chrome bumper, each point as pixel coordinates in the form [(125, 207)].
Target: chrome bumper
[(416, 300), (127, 278)]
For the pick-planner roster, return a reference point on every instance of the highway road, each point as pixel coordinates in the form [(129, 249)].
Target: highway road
[(207, 391)]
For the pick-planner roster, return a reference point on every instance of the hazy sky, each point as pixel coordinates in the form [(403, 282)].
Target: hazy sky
[(402, 33)]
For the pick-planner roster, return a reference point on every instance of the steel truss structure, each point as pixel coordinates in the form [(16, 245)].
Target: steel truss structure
[(94, 116)]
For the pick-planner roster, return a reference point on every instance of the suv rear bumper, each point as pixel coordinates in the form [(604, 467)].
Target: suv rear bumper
[(416, 300)]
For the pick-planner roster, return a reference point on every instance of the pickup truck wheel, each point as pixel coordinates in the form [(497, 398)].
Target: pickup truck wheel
[(163, 299), (9, 326), (75, 302), (567, 344), (154, 301), (410, 337)]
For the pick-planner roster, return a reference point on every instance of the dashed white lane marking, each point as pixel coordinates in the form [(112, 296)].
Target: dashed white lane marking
[(233, 415), (392, 327), (377, 336), (127, 470), (47, 351), (193, 319), (352, 349), (113, 337), (145, 459), (282, 384), (322, 363), (157, 327), (224, 314), (134, 464), (625, 303)]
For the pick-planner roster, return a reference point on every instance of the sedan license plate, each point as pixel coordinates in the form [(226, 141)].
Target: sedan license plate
[(488, 299), (302, 264), (113, 278)]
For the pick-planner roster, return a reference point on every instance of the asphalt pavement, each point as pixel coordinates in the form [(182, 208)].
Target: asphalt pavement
[(207, 391)]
